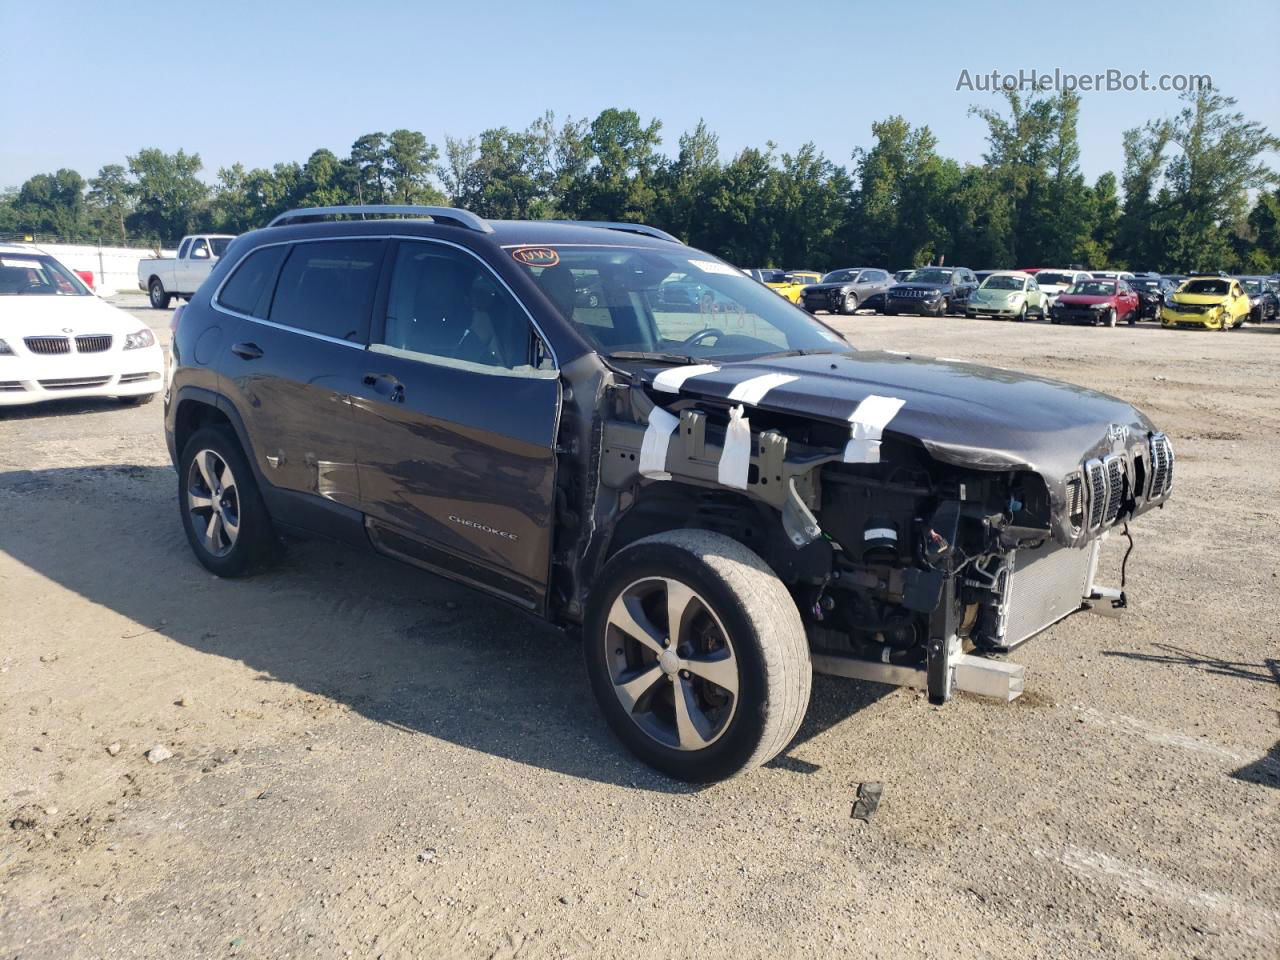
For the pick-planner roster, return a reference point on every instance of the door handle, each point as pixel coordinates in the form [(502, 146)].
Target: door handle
[(247, 351), (386, 385)]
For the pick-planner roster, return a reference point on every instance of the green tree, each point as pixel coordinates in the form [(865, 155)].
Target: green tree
[(410, 163), (369, 160), (617, 186), (171, 200), (111, 200), (1209, 179), (54, 204)]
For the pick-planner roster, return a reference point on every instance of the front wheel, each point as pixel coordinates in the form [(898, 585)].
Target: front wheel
[(1111, 317), (697, 655), (159, 299), (850, 305), (223, 515), (1022, 314), (137, 400)]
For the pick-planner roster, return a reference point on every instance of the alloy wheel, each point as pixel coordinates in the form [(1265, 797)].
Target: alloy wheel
[(213, 502), (671, 663)]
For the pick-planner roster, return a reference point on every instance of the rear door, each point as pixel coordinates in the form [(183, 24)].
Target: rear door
[(456, 415), (297, 358)]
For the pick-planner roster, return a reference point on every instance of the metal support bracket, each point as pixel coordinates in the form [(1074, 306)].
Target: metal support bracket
[(798, 521)]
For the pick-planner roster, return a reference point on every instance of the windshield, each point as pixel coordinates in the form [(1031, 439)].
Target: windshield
[(37, 274), (928, 275), (679, 302), (840, 276), (1253, 286), (1094, 288), (1055, 279), (1211, 288), (1152, 286), (1002, 283)]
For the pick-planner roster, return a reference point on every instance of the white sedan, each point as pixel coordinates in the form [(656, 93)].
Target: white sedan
[(58, 339)]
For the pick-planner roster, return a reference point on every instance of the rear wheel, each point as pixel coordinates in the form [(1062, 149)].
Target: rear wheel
[(223, 515), (159, 299), (697, 655)]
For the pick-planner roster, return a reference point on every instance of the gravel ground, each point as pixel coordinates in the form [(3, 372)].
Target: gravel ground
[(368, 761)]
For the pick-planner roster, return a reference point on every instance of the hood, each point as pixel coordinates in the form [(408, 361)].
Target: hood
[(823, 287), (52, 316), (966, 414), (1200, 299), (919, 286), (1084, 299), (1054, 288), (997, 294)]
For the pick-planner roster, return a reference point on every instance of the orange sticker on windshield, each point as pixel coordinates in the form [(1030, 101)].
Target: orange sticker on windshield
[(536, 256)]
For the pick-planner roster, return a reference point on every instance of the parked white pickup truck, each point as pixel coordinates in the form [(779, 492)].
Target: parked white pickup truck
[(164, 278)]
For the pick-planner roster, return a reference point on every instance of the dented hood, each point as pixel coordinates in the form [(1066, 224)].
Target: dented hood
[(963, 413)]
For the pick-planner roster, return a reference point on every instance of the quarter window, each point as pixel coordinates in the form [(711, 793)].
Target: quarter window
[(248, 290), (327, 288), (443, 303)]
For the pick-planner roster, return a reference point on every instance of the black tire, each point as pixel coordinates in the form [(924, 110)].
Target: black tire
[(255, 537), (1112, 317), (137, 400), (889, 312), (1022, 314), (742, 601), (850, 304), (159, 299)]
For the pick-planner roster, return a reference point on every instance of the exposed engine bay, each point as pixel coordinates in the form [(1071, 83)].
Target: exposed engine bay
[(908, 564)]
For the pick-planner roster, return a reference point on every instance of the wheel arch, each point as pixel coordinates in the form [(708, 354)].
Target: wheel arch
[(197, 407), (672, 505)]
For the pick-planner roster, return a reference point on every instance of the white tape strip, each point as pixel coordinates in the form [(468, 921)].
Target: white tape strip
[(866, 424), (752, 391), (653, 448), (880, 533), (735, 459), (673, 379)]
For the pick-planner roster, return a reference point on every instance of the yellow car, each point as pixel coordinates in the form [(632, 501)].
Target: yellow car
[(1206, 303), (791, 285)]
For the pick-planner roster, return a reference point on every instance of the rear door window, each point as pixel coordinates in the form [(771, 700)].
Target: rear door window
[(248, 290), (327, 288)]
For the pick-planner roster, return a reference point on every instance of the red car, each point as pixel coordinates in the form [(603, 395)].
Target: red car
[(1094, 302)]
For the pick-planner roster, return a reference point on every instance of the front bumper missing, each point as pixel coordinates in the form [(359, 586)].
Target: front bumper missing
[(1042, 592)]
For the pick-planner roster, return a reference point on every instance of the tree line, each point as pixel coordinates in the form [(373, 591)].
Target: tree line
[(1195, 192)]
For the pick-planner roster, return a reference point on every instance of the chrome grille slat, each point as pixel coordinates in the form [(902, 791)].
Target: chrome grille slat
[(48, 345), (1161, 467), (1115, 486), (1097, 493), (93, 343)]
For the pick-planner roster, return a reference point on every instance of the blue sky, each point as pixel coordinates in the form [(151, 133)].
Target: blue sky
[(270, 81)]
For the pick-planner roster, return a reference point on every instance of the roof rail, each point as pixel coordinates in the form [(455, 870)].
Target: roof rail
[(449, 215), (640, 228)]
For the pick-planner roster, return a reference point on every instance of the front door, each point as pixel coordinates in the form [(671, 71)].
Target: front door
[(456, 416)]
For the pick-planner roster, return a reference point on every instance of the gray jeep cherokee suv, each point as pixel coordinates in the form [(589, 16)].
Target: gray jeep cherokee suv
[(717, 491)]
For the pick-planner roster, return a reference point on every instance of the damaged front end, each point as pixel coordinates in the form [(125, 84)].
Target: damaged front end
[(912, 556)]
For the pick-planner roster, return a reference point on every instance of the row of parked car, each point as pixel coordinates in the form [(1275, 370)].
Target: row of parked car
[(1059, 295)]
